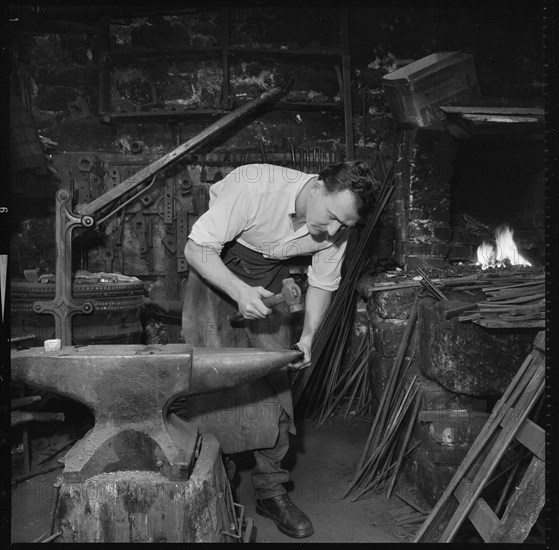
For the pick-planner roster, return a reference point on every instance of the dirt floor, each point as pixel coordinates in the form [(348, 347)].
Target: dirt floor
[(322, 461)]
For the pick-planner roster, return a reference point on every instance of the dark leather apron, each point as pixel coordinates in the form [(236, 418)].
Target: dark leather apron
[(246, 417)]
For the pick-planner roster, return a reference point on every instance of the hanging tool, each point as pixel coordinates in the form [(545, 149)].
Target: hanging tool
[(203, 175), (262, 152), (119, 241), (141, 230), (186, 183), (149, 243), (292, 151)]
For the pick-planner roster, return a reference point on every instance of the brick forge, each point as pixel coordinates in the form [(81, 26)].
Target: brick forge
[(455, 405), (423, 198), (450, 194)]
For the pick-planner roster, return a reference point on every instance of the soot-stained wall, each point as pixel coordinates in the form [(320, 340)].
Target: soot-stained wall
[(56, 71)]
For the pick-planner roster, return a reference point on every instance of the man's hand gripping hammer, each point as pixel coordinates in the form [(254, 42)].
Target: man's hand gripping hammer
[(290, 294)]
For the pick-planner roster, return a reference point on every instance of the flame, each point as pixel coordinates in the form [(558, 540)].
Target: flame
[(504, 250), (485, 255)]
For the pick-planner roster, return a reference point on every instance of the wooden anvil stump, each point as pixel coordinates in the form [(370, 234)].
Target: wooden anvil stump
[(140, 506)]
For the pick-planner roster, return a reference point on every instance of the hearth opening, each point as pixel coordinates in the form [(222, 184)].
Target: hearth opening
[(498, 183)]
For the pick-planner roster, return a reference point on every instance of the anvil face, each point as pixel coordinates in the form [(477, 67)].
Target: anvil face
[(128, 388)]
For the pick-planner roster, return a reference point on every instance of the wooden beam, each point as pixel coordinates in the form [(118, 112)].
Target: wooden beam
[(133, 182), (525, 504), (532, 437), (485, 521)]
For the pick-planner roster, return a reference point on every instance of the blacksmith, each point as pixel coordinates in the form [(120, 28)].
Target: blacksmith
[(259, 216)]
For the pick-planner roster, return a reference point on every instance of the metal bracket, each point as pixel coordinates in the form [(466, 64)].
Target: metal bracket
[(140, 230), (182, 236), (170, 243), (63, 308)]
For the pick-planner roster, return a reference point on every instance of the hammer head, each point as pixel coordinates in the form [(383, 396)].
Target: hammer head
[(291, 294)]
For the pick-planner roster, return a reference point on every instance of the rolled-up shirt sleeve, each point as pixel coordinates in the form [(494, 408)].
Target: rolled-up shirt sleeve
[(228, 216), (326, 267)]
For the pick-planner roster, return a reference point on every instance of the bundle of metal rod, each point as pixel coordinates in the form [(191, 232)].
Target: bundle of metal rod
[(382, 467), (430, 287), (317, 385), (515, 302), (355, 386), (385, 438)]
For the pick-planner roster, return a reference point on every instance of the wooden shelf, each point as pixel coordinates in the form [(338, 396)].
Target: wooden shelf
[(203, 52), (224, 53), (307, 106), (135, 117), (162, 115), (276, 53)]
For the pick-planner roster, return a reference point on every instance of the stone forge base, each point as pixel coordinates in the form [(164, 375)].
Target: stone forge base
[(144, 506)]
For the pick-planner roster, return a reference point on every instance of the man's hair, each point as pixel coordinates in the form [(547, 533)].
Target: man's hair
[(357, 177)]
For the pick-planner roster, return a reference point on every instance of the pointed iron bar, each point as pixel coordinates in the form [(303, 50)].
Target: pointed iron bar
[(341, 394), (325, 336), (387, 436), (362, 369), (387, 471), (378, 424), (409, 430), (355, 359), (392, 430)]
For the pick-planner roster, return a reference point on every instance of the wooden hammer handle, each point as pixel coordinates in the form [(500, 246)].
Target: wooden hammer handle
[(268, 302)]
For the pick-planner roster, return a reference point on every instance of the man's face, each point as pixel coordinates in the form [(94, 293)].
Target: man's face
[(327, 213)]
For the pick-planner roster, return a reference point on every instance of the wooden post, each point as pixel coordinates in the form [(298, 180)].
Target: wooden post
[(104, 99), (225, 41), (348, 110)]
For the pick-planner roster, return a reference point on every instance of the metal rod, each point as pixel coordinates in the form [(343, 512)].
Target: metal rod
[(132, 182)]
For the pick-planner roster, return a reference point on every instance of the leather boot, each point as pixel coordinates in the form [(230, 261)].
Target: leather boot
[(288, 518)]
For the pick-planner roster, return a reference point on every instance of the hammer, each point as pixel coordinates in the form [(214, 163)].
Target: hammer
[(290, 294)]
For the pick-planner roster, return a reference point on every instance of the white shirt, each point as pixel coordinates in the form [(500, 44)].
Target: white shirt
[(255, 205)]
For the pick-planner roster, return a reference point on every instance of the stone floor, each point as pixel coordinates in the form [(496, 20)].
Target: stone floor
[(322, 460)]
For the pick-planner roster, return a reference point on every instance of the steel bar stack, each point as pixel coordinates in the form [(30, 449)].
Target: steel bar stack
[(510, 302), (390, 434), (317, 387)]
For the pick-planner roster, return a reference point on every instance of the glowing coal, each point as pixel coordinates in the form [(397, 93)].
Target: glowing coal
[(503, 252)]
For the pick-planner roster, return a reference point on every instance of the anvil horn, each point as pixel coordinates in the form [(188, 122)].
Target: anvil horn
[(222, 368), (128, 387)]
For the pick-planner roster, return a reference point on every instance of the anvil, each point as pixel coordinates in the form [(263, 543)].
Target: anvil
[(129, 389)]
